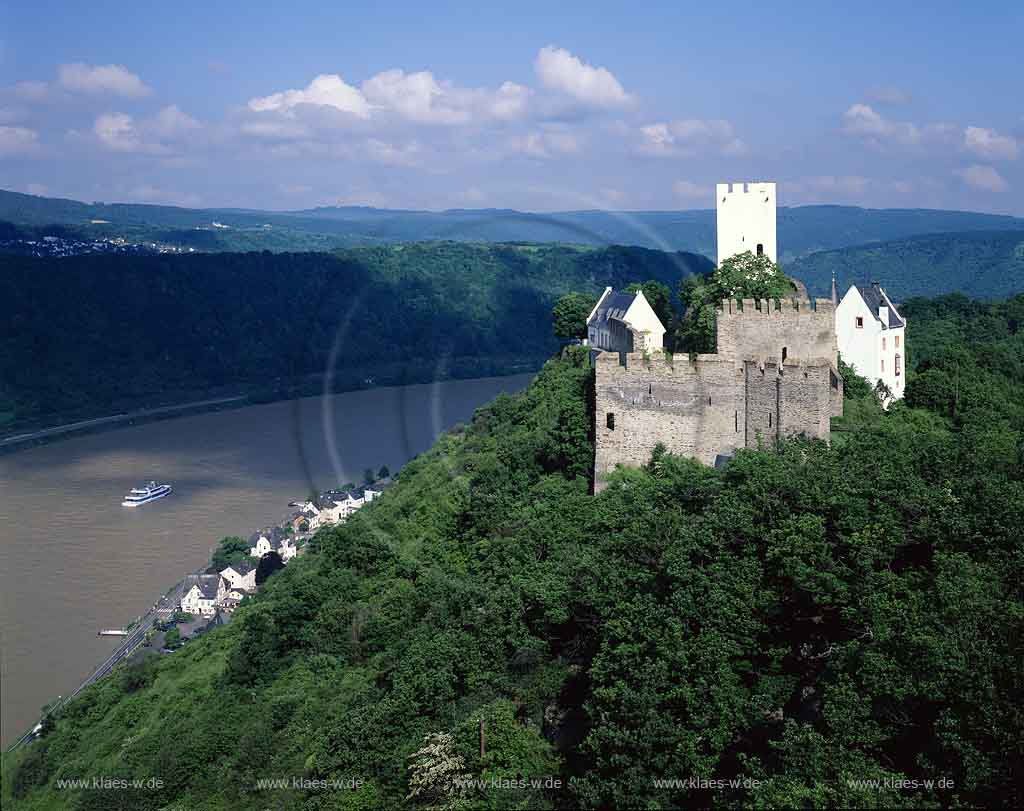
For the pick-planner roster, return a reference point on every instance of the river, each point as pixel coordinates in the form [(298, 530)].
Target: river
[(74, 560)]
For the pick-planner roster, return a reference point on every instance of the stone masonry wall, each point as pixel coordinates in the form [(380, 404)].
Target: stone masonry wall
[(745, 395), (762, 328), (694, 409)]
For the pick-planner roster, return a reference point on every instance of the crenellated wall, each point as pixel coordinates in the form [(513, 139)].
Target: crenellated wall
[(745, 395), (763, 328), (694, 408)]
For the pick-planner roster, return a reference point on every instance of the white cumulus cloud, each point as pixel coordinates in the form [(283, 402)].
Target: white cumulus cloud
[(416, 96), (326, 90), (115, 79), (565, 73), (982, 177), (986, 143), (171, 122), (120, 132), (691, 136), (863, 121)]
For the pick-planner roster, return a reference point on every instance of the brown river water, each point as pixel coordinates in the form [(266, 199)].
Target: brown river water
[(74, 560)]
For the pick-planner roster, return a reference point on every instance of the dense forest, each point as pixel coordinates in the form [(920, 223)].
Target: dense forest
[(802, 230), (814, 625), (981, 264), (91, 335)]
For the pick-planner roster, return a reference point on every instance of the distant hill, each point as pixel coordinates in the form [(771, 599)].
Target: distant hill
[(92, 335), (802, 230), (986, 264)]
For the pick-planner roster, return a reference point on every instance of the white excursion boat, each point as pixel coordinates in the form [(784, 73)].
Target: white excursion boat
[(149, 492)]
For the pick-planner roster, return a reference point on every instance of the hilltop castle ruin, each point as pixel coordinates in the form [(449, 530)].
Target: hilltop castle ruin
[(774, 374)]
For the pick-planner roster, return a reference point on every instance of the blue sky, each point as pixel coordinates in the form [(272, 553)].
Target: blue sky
[(538, 106)]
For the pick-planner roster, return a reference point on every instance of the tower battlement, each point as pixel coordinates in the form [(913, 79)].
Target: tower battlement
[(773, 375), (745, 214)]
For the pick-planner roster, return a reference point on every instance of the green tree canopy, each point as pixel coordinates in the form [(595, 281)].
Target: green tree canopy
[(268, 565), (570, 315), (659, 296), (231, 549), (741, 276)]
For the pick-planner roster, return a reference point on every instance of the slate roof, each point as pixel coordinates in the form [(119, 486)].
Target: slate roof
[(614, 306), (874, 296), (243, 567), (207, 585)]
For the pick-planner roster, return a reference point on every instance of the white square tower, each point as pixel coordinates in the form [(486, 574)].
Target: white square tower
[(746, 219)]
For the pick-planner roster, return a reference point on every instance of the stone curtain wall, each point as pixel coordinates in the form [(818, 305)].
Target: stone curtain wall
[(743, 396), (694, 409), (761, 328)]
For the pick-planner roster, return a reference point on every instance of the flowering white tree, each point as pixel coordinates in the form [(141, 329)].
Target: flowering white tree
[(438, 780)]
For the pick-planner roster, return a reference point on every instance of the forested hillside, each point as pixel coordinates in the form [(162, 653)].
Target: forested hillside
[(91, 335), (802, 230), (802, 622), (982, 264)]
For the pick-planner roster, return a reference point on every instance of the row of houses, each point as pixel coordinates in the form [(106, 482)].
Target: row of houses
[(335, 506), (205, 594)]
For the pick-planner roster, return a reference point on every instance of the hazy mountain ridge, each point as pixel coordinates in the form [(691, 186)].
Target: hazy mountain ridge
[(802, 230)]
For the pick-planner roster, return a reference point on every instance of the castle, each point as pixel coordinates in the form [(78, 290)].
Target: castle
[(774, 374)]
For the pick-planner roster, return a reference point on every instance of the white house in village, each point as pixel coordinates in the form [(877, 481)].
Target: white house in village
[(241, 575), (871, 336), (284, 546), (624, 322), (346, 503), (202, 593), (262, 546)]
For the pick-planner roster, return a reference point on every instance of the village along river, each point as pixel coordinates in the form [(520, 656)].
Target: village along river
[(74, 560)]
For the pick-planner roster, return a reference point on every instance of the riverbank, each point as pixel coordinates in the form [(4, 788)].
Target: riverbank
[(30, 434), (76, 561)]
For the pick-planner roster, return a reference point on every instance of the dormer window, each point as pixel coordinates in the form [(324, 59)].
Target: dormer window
[(859, 321)]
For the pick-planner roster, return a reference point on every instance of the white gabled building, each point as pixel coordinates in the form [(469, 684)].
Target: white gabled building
[(201, 594), (871, 336), (280, 543), (624, 322), (241, 575)]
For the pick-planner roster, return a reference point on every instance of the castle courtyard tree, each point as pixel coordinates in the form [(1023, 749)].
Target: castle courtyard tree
[(738, 277), (570, 315)]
